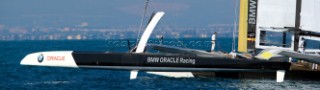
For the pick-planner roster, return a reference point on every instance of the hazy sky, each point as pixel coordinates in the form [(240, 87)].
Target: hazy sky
[(108, 13)]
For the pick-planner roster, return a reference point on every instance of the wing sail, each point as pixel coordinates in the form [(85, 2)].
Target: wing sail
[(304, 57)]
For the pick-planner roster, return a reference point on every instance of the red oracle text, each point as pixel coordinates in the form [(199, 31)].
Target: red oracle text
[(55, 58)]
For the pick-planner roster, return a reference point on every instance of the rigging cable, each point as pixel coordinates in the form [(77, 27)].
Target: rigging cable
[(235, 26), (142, 19)]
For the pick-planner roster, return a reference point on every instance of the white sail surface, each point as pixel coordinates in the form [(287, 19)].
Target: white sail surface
[(276, 13), (310, 15)]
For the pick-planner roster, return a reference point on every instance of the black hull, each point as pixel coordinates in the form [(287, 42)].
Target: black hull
[(172, 62), (289, 75)]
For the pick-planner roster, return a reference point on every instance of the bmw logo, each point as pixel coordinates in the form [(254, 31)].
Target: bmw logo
[(40, 58)]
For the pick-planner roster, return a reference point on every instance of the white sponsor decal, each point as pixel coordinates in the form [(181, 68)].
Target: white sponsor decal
[(252, 11), (51, 58), (177, 60)]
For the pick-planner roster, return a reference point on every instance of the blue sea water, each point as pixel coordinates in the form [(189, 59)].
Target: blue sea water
[(15, 76)]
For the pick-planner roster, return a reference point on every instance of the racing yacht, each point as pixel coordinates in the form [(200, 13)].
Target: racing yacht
[(254, 25), (170, 59)]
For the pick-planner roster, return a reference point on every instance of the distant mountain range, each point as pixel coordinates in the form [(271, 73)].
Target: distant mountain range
[(112, 19), (114, 13), (93, 33)]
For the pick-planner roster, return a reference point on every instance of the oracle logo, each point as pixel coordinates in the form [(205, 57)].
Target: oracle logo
[(55, 58)]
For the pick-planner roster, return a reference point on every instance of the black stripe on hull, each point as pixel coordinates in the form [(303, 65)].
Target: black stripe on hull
[(133, 61), (175, 69)]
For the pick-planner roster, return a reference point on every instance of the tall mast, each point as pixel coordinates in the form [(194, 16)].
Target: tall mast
[(297, 25)]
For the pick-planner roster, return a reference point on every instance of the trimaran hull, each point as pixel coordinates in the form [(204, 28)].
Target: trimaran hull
[(166, 65), (165, 62), (149, 62)]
